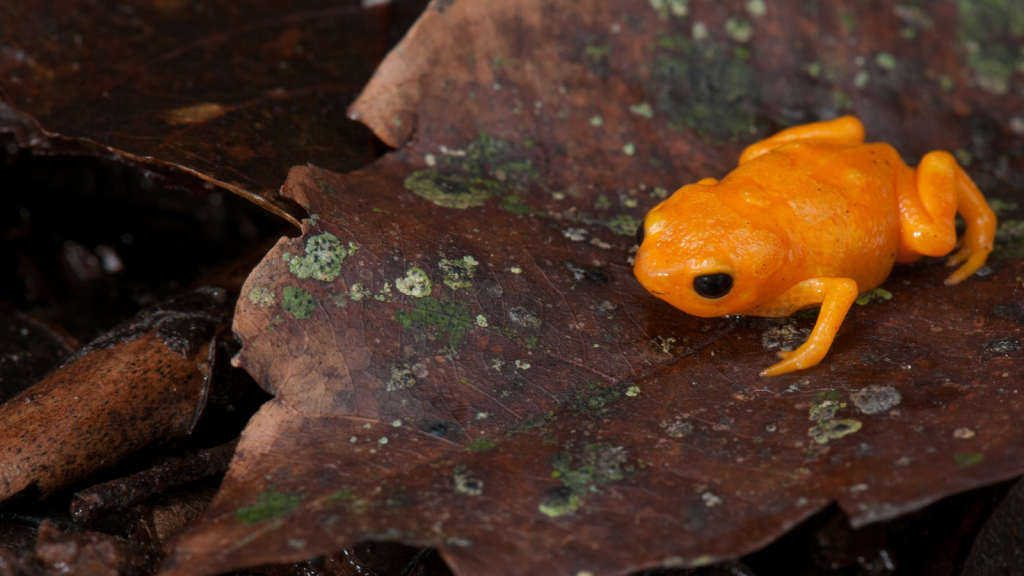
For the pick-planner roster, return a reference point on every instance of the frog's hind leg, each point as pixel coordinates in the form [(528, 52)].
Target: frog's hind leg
[(846, 130), (928, 216)]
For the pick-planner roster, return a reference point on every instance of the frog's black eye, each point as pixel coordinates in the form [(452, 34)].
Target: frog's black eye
[(640, 234), (712, 285)]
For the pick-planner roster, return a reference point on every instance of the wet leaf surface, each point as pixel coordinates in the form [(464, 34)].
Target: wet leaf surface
[(233, 93), (462, 358)]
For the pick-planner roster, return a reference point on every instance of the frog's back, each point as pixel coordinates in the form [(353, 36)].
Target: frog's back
[(837, 206)]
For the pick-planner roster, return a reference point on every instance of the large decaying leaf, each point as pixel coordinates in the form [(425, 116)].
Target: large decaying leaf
[(233, 92), (462, 358)]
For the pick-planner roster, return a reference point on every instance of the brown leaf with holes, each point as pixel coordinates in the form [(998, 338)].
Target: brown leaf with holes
[(462, 358), (235, 93)]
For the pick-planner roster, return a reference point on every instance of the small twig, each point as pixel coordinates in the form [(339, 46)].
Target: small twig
[(124, 493)]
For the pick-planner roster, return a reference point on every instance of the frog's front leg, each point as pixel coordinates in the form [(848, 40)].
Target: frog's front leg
[(835, 295), (846, 130)]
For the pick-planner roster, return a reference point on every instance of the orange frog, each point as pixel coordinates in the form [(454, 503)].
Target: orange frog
[(812, 217)]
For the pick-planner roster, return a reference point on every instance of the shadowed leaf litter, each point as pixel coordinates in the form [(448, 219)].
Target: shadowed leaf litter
[(235, 93), (461, 356), (484, 375)]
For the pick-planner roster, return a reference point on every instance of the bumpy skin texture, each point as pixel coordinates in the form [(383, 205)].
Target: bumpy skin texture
[(811, 217)]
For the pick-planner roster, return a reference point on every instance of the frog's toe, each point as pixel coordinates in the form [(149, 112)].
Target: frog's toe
[(959, 257), (803, 357), (975, 262), (779, 368)]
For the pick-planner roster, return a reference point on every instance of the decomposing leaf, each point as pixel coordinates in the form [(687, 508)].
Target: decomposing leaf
[(235, 93), (92, 553), (31, 348), (999, 548), (462, 358), (145, 380)]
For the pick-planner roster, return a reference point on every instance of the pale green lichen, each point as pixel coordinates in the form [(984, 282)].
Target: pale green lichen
[(481, 321), (1010, 239), (623, 224), (481, 444), (643, 109), (438, 319), (560, 502), (886, 61), (599, 464), (1010, 230), (704, 86), (513, 204), (488, 167), (666, 8), (968, 459), (466, 484), (270, 505), (757, 8), (1001, 206), (458, 272), (861, 79), (262, 296), (324, 255), (823, 412), (298, 302), (876, 295), (739, 30), (358, 292), (833, 430), (596, 52), (403, 376), (991, 32), (416, 283)]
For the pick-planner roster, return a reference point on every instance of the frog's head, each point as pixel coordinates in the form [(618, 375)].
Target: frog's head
[(705, 259)]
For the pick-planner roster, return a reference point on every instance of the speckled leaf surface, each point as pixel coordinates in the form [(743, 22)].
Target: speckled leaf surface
[(233, 92), (461, 356)]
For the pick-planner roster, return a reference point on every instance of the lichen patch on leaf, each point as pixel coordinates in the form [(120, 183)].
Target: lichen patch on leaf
[(270, 505), (298, 302), (876, 399), (599, 464), (438, 319), (458, 272), (489, 167), (416, 283), (704, 86), (823, 413), (324, 255), (261, 296)]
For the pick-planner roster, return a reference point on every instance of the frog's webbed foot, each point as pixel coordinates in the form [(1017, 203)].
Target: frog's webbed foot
[(835, 295)]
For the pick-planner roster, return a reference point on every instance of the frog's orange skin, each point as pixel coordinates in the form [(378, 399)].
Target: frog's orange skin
[(811, 217)]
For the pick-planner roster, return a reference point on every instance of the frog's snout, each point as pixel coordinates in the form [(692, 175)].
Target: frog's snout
[(647, 272)]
